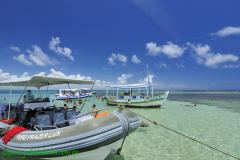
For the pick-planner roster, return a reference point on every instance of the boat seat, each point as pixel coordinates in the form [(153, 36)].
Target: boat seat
[(39, 108), (59, 119), (43, 122), (71, 114)]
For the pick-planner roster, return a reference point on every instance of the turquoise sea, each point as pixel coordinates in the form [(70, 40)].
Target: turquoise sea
[(214, 120)]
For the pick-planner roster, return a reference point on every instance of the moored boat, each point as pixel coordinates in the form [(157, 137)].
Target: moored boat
[(129, 99), (135, 95), (70, 94), (38, 130)]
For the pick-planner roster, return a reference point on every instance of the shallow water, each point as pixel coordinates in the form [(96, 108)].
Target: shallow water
[(215, 121), (217, 127)]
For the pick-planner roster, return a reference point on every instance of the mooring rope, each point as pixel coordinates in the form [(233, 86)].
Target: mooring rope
[(186, 136)]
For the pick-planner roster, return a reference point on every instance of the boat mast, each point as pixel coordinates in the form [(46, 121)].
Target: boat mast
[(149, 89)]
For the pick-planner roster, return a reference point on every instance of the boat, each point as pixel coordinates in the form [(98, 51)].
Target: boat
[(129, 98), (87, 91), (70, 94), (34, 129)]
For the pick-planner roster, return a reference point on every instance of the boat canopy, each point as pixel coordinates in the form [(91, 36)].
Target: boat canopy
[(140, 85), (41, 81)]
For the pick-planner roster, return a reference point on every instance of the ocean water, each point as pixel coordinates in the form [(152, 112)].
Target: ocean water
[(214, 120)]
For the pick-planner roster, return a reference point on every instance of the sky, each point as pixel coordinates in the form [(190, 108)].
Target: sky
[(187, 44)]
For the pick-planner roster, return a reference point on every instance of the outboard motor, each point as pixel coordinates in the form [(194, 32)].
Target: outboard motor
[(3, 128)]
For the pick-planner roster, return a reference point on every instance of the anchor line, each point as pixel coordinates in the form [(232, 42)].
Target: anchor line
[(120, 149), (186, 136)]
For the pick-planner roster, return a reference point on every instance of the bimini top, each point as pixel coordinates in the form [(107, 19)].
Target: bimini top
[(130, 86), (41, 81)]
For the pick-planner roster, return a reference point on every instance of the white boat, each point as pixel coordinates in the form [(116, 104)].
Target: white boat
[(131, 99), (87, 91), (135, 95), (70, 94)]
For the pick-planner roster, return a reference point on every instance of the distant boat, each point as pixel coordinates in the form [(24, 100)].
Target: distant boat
[(70, 94), (35, 130), (129, 98), (135, 100), (87, 91)]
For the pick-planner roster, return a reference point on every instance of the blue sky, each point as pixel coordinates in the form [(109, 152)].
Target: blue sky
[(188, 44)]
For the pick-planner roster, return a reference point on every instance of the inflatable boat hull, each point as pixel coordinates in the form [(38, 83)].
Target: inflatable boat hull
[(80, 138)]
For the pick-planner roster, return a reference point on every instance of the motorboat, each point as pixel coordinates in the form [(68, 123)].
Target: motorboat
[(87, 91), (70, 94), (34, 129)]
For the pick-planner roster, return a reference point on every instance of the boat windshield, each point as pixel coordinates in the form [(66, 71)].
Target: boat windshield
[(34, 97)]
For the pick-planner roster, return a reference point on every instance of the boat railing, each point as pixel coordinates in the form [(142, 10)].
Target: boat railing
[(42, 127)]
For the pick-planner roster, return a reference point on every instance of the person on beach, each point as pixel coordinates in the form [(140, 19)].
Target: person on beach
[(65, 107), (94, 110), (80, 102), (75, 105)]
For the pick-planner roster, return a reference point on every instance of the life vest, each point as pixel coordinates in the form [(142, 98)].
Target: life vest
[(103, 114)]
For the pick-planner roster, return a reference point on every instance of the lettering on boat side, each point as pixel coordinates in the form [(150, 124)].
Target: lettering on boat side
[(38, 136)]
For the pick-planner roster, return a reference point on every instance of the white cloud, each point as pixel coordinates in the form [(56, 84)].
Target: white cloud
[(59, 74), (117, 57), (135, 59), (231, 66), (227, 31), (180, 65), (169, 49), (15, 48), (102, 84), (37, 56), (205, 56), (157, 12), (54, 46), (23, 59), (5, 76), (145, 80), (123, 79), (153, 49), (162, 65)]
